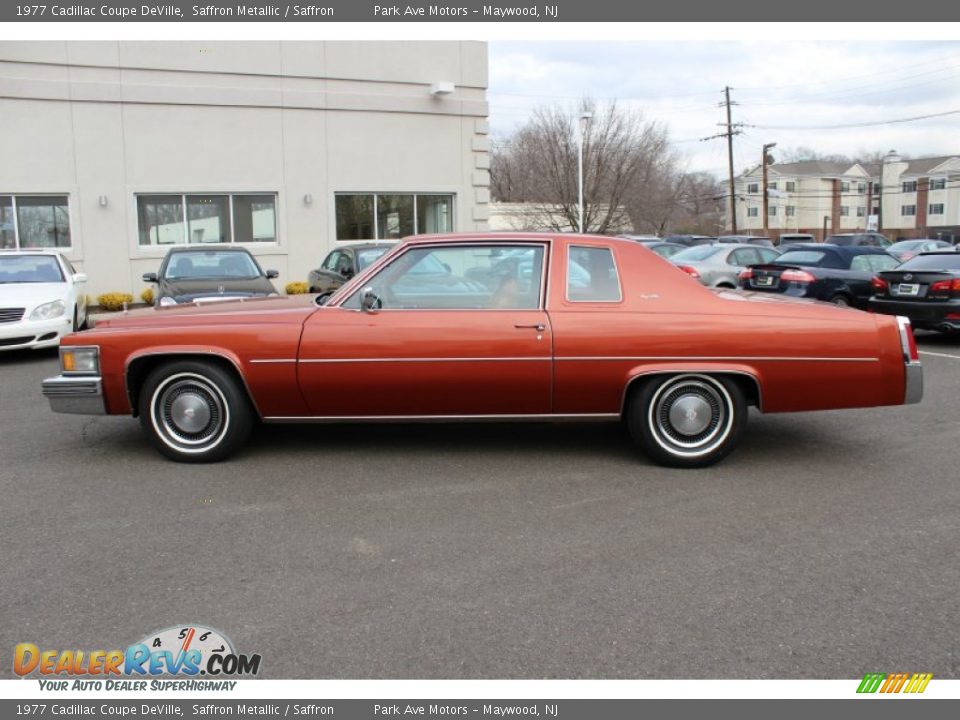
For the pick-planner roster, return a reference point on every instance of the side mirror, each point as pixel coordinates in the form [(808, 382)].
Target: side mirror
[(271, 274), (79, 277), (369, 300), (150, 277)]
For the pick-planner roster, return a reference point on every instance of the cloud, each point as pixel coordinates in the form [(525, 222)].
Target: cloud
[(777, 83)]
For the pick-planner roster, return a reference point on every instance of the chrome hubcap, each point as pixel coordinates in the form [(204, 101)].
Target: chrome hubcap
[(690, 414), (189, 412)]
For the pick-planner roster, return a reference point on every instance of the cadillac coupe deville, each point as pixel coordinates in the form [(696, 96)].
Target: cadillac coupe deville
[(490, 327)]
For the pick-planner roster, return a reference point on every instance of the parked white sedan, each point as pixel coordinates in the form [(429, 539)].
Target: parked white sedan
[(40, 299)]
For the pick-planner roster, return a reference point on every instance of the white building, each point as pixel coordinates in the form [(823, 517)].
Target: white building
[(114, 151)]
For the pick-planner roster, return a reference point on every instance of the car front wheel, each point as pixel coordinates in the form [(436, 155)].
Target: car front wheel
[(688, 420), (195, 411)]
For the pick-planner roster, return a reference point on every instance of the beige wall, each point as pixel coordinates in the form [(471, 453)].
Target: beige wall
[(295, 118)]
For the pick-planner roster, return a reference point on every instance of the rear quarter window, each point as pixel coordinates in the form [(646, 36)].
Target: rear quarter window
[(592, 275), (873, 263)]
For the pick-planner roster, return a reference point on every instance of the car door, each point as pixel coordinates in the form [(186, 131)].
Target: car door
[(453, 330)]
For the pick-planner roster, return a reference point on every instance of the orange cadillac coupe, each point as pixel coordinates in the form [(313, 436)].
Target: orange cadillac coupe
[(498, 327)]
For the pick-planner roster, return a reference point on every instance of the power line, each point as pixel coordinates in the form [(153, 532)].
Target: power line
[(856, 125)]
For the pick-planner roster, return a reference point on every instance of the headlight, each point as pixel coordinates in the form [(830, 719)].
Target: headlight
[(77, 360), (49, 311), (167, 300)]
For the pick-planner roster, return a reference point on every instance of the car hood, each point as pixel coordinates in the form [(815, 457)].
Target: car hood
[(29, 295), (279, 309), (187, 290)]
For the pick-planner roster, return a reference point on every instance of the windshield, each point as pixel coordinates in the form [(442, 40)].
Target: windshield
[(202, 264), (939, 261), (366, 257), (700, 252), (30, 269), (905, 245)]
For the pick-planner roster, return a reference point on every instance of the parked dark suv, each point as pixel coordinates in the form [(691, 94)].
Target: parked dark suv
[(869, 239)]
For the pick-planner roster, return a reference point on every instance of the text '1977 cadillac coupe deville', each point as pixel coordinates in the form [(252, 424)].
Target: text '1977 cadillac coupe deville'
[(490, 327)]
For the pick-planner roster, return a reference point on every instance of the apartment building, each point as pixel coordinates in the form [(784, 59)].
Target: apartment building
[(901, 198)]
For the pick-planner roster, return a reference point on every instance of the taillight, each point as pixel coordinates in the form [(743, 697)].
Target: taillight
[(746, 274), (946, 287), (799, 276), (880, 285), (692, 272), (907, 342)]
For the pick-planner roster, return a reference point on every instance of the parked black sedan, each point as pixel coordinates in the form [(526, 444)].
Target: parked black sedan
[(841, 275), (343, 263), (926, 289), (192, 274)]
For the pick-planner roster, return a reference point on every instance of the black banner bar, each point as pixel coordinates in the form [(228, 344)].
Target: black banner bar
[(470, 11)]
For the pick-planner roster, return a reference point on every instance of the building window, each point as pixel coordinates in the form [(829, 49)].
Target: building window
[(791, 210), (791, 186), (861, 211), (909, 186), (771, 186), (368, 216), (844, 187), (938, 183), (908, 210), (772, 211), (844, 210), (935, 209), (861, 188), (34, 222), (753, 188), (753, 212), (206, 218), (876, 210)]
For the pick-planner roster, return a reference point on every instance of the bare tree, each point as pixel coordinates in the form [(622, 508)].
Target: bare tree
[(537, 165)]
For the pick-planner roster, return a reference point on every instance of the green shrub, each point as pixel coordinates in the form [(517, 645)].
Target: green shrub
[(147, 296), (111, 302), (296, 288)]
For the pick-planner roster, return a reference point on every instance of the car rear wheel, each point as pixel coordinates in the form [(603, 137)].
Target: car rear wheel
[(688, 420), (195, 411), (841, 300)]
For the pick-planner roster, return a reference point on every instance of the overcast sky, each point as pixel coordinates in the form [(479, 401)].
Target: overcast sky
[(777, 85)]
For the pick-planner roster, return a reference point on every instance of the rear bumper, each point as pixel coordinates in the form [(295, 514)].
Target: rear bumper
[(924, 315), (914, 385), (76, 395)]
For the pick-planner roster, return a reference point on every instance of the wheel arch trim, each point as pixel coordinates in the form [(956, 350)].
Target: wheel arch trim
[(639, 374), (185, 353)]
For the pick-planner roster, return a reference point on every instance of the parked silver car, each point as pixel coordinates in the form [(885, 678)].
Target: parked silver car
[(720, 265)]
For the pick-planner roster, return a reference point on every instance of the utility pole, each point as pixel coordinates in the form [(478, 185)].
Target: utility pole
[(732, 129), (766, 191)]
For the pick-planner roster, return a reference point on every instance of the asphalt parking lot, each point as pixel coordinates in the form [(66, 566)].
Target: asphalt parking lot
[(826, 546)]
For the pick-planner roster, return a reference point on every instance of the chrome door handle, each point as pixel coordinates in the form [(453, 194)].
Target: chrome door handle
[(538, 328)]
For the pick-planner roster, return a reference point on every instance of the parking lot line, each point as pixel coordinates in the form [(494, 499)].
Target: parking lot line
[(936, 354)]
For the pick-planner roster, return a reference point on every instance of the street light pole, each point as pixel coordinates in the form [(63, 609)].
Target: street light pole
[(766, 191), (584, 119)]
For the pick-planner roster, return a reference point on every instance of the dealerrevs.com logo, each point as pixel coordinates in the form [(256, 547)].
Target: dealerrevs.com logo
[(185, 651)]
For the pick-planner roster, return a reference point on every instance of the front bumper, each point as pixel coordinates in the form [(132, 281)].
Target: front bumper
[(34, 334), (80, 395)]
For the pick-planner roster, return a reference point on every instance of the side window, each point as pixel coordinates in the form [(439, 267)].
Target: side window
[(331, 262), (592, 275), (743, 257), (459, 277)]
